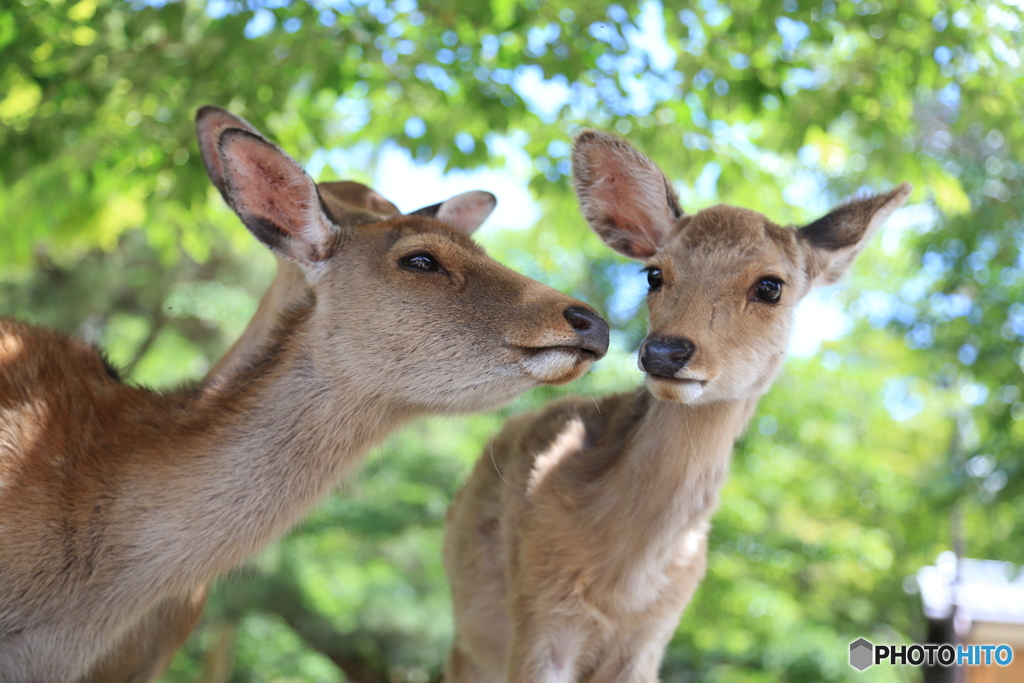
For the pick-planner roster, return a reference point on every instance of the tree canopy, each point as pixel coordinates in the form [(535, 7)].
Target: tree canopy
[(864, 458)]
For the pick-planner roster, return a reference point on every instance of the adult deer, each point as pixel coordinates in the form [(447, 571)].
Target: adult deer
[(149, 647), (581, 534), (116, 501)]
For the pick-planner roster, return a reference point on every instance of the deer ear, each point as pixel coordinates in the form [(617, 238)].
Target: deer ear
[(275, 198), (834, 240), (626, 199), (210, 123), (466, 211), (353, 194)]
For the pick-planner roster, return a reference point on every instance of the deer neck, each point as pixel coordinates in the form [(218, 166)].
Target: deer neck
[(672, 469), (689, 445), (280, 440)]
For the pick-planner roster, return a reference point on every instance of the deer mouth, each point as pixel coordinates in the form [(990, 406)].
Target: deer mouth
[(581, 352), (582, 355), (555, 364), (679, 380), (676, 389)]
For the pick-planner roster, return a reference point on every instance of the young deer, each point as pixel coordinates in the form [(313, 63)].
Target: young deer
[(581, 534), (116, 501), (144, 653)]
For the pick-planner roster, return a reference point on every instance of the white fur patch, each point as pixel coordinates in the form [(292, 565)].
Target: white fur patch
[(677, 391), (552, 364), (569, 441)]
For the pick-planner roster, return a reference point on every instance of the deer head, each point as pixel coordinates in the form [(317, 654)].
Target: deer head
[(723, 281), (347, 203), (407, 307)]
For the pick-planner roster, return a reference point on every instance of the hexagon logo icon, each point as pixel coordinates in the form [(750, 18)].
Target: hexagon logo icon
[(861, 654)]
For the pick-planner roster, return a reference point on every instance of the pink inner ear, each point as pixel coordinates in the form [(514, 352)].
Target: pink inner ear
[(265, 183), (636, 206), (210, 123), (626, 206), (626, 198)]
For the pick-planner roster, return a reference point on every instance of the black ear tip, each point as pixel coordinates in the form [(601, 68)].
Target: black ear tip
[(229, 135)]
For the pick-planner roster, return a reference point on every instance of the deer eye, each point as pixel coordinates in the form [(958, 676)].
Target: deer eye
[(768, 290), (653, 278), (421, 262)]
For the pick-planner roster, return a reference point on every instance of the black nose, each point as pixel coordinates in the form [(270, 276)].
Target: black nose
[(666, 357), (591, 329)]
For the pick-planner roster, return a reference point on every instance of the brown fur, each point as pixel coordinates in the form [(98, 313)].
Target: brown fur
[(581, 534), (147, 650), (348, 203), (118, 503)]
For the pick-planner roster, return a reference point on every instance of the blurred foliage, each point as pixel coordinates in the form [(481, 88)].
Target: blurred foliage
[(860, 457)]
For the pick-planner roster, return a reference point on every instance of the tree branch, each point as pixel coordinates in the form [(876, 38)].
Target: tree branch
[(154, 332), (279, 596)]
